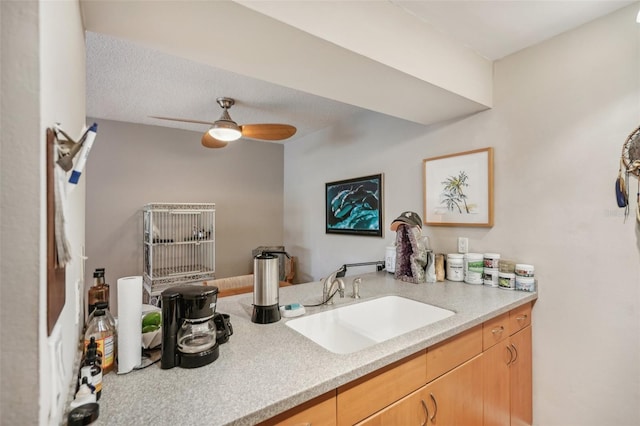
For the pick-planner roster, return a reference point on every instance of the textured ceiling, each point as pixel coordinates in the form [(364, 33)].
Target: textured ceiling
[(128, 82)]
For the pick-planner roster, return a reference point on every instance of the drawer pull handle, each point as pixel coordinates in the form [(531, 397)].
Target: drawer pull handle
[(510, 355), (522, 317), (516, 352), (435, 408), (498, 330), (426, 412)]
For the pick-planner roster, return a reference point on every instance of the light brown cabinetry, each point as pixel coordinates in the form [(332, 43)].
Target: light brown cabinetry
[(457, 396), (453, 394), (375, 393), (480, 376), (371, 393), (452, 399), (507, 391), (320, 411), (447, 355)]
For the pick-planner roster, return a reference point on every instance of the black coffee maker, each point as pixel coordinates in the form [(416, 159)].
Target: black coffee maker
[(188, 328)]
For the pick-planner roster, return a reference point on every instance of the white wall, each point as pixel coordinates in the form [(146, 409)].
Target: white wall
[(562, 111), (133, 164), (62, 100), (42, 83)]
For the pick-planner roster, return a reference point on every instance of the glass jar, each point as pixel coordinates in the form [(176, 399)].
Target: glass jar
[(196, 335), (104, 334)]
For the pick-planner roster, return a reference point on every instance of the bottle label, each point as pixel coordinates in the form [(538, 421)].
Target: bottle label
[(109, 347), (105, 349), (93, 373), (97, 380), (94, 377), (475, 266)]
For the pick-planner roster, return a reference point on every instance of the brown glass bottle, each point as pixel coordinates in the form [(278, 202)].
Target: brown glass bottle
[(99, 292)]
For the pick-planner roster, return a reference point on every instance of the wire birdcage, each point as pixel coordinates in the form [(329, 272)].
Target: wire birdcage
[(179, 244)]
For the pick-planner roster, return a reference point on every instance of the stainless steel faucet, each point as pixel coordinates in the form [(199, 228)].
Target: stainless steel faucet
[(330, 285)]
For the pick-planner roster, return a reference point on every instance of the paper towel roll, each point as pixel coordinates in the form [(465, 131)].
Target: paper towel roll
[(129, 323)]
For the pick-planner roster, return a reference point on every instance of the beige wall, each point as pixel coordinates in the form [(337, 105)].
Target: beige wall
[(132, 165), (21, 225), (562, 111), (42, 83)]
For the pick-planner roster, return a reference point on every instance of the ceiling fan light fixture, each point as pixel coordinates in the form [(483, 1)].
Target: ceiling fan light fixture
[(226, 131)]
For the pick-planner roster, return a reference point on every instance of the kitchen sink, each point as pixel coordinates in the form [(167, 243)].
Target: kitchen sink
[(354, 327)]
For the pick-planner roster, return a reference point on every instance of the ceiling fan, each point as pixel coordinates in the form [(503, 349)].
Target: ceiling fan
[(225, 130)]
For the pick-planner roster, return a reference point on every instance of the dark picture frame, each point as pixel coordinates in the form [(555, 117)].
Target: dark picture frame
[(354, 206)]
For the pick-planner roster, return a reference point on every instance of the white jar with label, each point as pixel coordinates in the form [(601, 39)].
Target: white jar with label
[(473, 268), (455, 267), (525, 283), (524, 270), (491, 260), (390, 259), (507, 280), (490, 277)]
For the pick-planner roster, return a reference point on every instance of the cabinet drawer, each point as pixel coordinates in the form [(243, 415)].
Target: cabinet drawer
[(519, 318), (373, 392), (320, 411), (454, 398), (453, 352), (495, 330)]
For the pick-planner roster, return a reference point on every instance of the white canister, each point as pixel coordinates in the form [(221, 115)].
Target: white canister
[(491, 260), (507, 280), (524, 270), (473, 268), (525, 283), (455, 267), (490, 277), (390, 259)]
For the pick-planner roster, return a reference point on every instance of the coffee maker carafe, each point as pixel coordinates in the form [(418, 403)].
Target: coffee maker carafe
[(188, 328)]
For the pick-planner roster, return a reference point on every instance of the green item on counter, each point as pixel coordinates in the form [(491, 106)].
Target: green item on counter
[(150, 328), (152, 318)]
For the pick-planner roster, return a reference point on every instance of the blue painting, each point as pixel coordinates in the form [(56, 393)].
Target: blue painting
[(354, 206)]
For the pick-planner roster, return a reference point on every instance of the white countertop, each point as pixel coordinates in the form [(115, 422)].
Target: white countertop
[(265, 369)]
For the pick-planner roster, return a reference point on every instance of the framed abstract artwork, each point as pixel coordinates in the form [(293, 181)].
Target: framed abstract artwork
[(354, 206)]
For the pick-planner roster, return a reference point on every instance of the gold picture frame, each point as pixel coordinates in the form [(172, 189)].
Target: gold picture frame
[(458, 189)]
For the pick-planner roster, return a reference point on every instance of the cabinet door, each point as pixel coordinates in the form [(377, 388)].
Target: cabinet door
[(409, 411), (320, 411), (507, 381), (456, 397), (496, 384), (454, 351), (520, 377), (453, 399), (367, 395)]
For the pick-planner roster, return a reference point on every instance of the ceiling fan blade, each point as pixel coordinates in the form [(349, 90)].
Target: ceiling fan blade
[(209, 141), (184, 120), (269, 132)]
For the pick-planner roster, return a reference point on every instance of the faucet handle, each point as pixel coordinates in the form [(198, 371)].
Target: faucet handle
[(356, 288), (340, 287)]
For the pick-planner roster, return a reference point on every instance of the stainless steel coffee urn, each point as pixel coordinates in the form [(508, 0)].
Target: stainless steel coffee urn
[(266, 289)]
